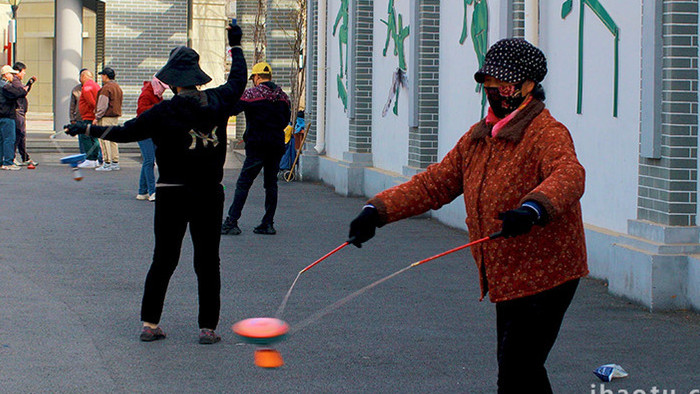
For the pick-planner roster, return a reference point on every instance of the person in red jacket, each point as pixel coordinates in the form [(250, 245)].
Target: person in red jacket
[(151, 94), (521, 181), (86, 107)]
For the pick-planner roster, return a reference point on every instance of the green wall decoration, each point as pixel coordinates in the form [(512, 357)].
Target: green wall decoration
[(342, 92), (479, 30), (609, 23), (342, 20), (397, 32)]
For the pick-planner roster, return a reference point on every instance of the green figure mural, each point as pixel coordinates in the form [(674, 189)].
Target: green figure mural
[(398, 33), (390, 25), (342, 41), (479, 30), (609, 23)]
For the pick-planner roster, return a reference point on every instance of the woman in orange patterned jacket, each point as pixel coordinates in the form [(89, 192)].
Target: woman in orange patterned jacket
[(518, 172)]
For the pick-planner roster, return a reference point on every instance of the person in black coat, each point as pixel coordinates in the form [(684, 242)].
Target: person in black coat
[(9, 94), (189, 133), (267, 113)]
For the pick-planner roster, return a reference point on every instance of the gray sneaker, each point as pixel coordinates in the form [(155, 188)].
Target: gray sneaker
[(115, 167), (149, 334), (11, 167), (104, 167), (208, 337)]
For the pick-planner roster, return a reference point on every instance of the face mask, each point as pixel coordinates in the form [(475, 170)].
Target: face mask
[(505, 99)]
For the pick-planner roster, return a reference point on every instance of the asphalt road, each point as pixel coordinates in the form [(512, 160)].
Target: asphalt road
[(74, 255)]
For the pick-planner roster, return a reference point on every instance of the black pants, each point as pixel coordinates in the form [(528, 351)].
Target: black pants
[(21, 136), (176, 206), (527, 330), (255, 160)]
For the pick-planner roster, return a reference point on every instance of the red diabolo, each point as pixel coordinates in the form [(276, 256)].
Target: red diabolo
[(263, 331)]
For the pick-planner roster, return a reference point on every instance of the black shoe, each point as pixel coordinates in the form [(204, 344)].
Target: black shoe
[(230, 228), (265, 229)]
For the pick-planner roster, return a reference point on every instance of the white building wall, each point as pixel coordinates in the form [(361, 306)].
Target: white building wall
[(5, 16), (460, 103), (389, 132), (608, 147), (337, 123)]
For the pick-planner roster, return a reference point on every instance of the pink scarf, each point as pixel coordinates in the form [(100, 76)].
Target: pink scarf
[(499, 123), (158, 87)]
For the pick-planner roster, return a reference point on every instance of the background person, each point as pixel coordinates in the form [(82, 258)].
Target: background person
[(9, 94), (21, 118), (73, 111), (519, 175), (267, 114), (189, 132), (86, 108), (151, 94), (107, 112)]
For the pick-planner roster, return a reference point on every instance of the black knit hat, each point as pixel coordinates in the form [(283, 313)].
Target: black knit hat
[(182, 69), (513, 60)]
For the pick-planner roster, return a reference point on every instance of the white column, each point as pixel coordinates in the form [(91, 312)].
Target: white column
[(532, 21), (206, 37), (68, 56)]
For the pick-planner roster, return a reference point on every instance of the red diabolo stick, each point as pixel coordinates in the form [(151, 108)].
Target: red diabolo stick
[(478, 241), (324, 257)]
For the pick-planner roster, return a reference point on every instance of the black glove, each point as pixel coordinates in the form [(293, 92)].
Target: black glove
[(363, 226), (517, 221), (234, 33), (75, 128)]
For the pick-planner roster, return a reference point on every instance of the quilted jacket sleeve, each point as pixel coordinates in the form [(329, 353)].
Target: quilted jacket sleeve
[(438, 185), (563, 177)]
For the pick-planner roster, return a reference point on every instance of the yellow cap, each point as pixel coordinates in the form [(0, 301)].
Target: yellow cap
[(261, 68)]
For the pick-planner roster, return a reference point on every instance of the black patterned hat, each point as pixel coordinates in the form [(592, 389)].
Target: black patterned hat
[(513, 60)]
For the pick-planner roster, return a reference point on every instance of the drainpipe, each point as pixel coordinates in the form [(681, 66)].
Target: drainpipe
[(321, 79), (532, 21)]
